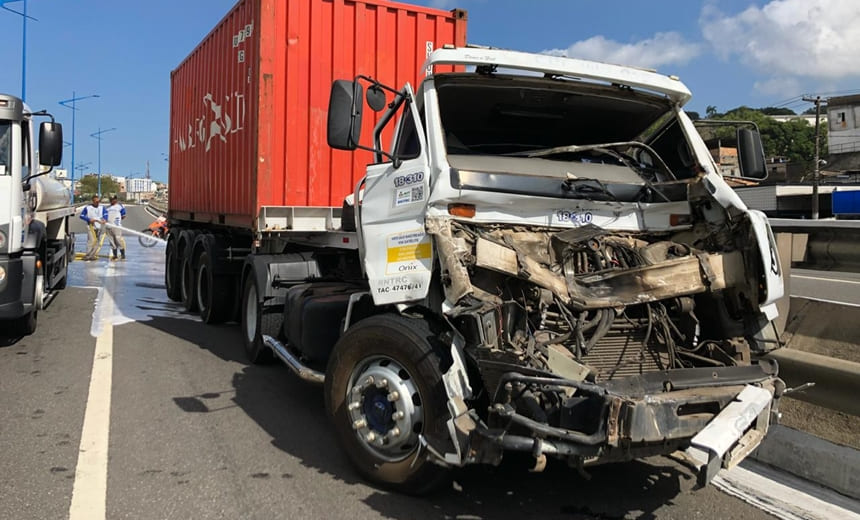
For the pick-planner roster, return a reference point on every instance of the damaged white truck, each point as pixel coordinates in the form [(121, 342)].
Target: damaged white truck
[(548, 262)]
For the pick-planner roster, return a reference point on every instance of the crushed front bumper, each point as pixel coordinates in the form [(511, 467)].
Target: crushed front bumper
[(724, 411)]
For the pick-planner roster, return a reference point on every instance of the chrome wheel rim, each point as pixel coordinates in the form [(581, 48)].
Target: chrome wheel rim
[(251, 314), (384, 408)]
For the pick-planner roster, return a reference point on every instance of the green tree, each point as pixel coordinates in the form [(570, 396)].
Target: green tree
[(711, 112), (793, 139), (89, 186), (777, 111)]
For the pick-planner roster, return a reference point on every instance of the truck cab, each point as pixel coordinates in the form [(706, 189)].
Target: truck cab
[(35, 245), (591, 287)]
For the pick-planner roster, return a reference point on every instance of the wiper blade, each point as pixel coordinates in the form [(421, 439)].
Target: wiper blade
[(582, 185), (575, 148)]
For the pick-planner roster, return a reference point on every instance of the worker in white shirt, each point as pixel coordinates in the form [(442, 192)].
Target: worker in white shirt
[(95, 216), (116, 213)]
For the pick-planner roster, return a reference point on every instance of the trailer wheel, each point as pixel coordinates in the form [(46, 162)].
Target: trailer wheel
[(214, 292), (171, 270), (256, 321), (383, 388), (189, 300)]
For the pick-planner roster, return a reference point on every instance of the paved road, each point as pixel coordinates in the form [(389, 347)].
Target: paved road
[(196, 432), (826, 285)]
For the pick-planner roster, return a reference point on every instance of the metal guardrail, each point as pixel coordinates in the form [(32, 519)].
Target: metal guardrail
[(822, 245), (158, 206), (827, 245), (837, 381)]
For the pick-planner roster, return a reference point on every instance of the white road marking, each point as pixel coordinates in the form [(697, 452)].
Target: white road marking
[(823, 300), (89, 495), (783, 495), (840, 281)]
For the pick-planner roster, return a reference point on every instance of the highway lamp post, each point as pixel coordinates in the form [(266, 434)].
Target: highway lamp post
[(24, 16), (81, 167), (98, 136), (70, 103)]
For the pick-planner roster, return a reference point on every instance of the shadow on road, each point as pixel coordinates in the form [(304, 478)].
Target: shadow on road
[(293, 414)]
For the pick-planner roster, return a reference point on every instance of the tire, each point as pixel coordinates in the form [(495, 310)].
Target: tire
[(374, 345), (171, 271), (64, 282), (188, 289), (214, 292), (147, 238), (26, 325), (257, 321)]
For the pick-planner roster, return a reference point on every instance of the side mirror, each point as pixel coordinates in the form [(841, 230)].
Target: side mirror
[(751, 154), (344, 115), (50, 144), (376, 98)]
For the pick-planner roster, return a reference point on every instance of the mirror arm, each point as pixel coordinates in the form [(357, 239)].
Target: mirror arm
[(376, 83), (393, 158), (31, 177), (42, 113)]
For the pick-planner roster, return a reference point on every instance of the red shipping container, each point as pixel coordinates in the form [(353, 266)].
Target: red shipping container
[(249, 105)]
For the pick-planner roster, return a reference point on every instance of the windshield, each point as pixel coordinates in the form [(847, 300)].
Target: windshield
[(5, 140), (561, 138), (512, 115)]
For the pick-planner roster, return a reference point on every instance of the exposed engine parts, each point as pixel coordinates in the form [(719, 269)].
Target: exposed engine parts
[(589, 305)]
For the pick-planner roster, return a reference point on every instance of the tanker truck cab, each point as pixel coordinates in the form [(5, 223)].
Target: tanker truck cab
[(34, 239)]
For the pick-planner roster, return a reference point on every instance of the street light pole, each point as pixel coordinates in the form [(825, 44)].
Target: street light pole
[(23, 42), (73, 106), (816, 171), (98, 136)]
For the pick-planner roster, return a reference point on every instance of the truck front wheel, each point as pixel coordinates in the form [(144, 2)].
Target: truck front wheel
[(26, 325), (383, 389), (256, 321)]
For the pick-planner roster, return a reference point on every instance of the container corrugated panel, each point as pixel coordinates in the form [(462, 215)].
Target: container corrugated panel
[(249, 105)]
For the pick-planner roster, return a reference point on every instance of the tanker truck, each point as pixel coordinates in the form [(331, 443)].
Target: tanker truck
[(506, 252), (35, 244)]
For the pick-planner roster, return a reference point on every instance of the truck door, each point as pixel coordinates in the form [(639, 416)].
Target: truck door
[(398, 252)]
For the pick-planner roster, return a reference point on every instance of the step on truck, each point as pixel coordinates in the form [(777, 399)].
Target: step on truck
[(474, 251), (35, 244)]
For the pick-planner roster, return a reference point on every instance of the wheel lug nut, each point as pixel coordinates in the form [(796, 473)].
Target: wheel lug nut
[(398, 415), (394, 432), (359, 424), (370, 437), (393, 396), (356, 389), (382, 383), (368, 382), (353, 406)]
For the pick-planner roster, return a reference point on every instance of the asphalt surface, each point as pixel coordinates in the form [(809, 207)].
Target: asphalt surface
[(837, 287), (197, 432)]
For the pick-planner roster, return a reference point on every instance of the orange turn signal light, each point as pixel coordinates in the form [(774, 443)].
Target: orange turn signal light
[(461, 210), (38, 264)]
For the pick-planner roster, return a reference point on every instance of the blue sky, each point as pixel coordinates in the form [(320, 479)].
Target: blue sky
[(729, 52)]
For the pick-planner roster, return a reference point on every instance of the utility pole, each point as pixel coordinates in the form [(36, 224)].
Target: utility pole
[(816, 172)]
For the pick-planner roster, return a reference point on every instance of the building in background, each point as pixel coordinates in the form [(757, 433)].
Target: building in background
[(62, 175), (843, 139)]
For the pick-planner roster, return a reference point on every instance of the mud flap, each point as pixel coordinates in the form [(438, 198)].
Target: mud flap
[(728, 438)]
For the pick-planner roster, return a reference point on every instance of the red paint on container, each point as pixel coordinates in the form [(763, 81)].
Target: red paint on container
[(249, 105)]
